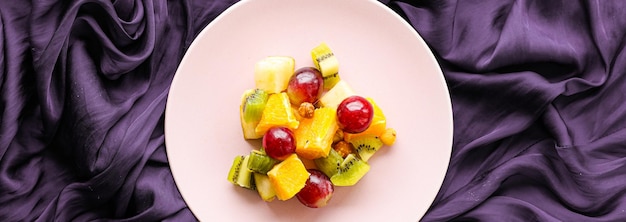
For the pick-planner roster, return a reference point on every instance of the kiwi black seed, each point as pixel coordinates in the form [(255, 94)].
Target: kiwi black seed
[(351, 170), (239, 173), (260, 162), (329, 165), (366, 145), (254, 104)]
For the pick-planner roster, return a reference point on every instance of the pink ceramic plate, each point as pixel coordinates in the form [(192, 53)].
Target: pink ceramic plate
[(380, 55)]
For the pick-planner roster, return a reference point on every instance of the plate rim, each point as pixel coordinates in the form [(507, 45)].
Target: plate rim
[(449, 125)]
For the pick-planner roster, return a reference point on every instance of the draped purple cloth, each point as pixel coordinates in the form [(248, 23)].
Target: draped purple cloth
[(538, 94)]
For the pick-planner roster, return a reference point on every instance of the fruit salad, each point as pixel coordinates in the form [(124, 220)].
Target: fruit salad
[(306, 114)]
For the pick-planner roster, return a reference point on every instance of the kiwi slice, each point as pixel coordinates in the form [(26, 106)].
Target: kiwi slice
[(366, 146), (239, 173), (330, 80), (264, 187), (326, 61), (254, 104), (260, 162), (329, 165), (351, 170)]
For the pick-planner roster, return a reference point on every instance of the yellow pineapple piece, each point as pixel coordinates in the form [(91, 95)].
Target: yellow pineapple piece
[(336, 95), (376, 128), (288, 177), (277, 112), (272, 73), (314, 136)]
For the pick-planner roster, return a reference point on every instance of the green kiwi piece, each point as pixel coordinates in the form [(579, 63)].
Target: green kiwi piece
[(264, 187), (366, 146), (351, 170), (233, 173), (254, 104), (329, 165), (330, 80), (260, 162), (239, 173)]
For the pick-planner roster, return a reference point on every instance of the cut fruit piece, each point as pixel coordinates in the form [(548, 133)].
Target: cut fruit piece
[(351, 170), (254, 104), (338, 136), (251, 110), (277, 112), (376, 128), (264, 187), (326, 61), (239, 173), (331, 80), (336, 95), (288, 177), (308, 163), (272, 73), (314, 136), (330, 164), (260, 162), (366, 146), (233, 173)]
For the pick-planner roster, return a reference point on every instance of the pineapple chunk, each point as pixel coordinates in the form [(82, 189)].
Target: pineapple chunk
[(264, 187), (272, 73), (336, 95)]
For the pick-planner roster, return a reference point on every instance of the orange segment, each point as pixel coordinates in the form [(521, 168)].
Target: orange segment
[(288, 177), (378, 126), (315, 135), (277, 112)]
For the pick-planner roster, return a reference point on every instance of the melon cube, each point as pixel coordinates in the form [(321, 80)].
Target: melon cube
[(272, 73), (336, 95)]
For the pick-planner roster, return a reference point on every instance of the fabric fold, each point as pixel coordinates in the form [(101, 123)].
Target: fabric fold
[(537, 91)]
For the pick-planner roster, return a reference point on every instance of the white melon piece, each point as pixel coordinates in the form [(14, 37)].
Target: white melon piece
[(336, 95), (272, 73)]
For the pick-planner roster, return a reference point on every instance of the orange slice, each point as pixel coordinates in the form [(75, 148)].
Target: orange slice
[(288, 177), (277, 112), (314, 136)]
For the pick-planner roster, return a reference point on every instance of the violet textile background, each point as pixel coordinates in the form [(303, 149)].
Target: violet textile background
[(538, 93)]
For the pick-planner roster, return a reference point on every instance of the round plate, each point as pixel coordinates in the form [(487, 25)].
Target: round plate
[(380, 55)]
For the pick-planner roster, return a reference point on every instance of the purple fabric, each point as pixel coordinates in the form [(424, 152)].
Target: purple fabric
[(538, 91)]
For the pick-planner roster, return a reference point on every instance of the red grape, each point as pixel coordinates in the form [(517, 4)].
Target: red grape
[(354, 114), (279, 142), (305, 85), (317, 191)]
